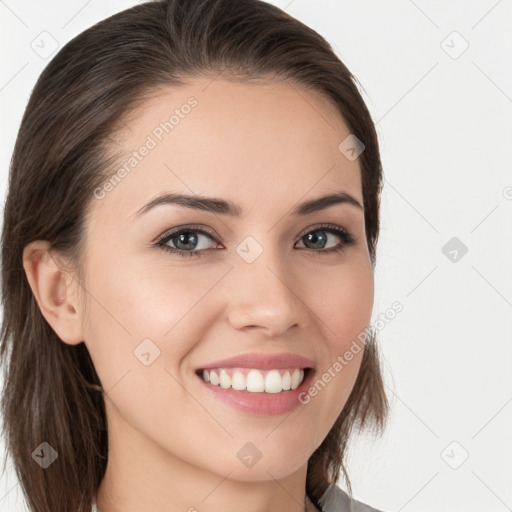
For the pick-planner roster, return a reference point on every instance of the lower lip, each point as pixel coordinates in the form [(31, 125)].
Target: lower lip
[(269, 404)]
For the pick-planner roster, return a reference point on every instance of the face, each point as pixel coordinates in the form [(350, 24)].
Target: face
[(265, 281)]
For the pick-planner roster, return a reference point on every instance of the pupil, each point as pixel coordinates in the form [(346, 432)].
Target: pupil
[(315, 238), (184, 236)]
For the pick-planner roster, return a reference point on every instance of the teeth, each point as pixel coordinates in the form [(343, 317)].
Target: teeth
[(238, 381), (255, 381)]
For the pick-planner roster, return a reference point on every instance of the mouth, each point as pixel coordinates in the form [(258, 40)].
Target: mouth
[(254, 380), (258, 383), (257, 399)]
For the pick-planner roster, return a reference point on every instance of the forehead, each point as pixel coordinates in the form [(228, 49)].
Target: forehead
[(271, 143)]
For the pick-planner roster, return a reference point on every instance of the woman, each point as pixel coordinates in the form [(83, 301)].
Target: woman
[(188, 252)]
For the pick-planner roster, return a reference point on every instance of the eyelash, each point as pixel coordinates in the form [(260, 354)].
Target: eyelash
[(347, 239)]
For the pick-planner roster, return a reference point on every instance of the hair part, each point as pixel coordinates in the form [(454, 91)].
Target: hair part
[(63, 152)]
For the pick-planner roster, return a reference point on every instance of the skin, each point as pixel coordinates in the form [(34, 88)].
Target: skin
[(265, 147)]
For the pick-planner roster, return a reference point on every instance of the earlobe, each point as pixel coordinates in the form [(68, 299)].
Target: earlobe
[(55, 296)]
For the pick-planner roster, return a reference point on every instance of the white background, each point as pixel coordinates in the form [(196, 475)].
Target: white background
[(445, 128)]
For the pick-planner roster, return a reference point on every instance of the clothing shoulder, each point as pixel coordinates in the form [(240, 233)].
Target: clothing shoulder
[(336, 499)]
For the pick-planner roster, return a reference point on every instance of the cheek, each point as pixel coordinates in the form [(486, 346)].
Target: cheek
[(134, 310), (142, 323), (342, 301)]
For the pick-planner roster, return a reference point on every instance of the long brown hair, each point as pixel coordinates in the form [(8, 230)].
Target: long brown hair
[(52, 392)]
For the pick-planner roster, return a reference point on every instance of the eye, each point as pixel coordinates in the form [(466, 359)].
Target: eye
[(188, 241), (319, 236), (186, 238)]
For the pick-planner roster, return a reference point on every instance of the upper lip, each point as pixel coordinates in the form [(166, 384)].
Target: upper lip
[(262, 362)]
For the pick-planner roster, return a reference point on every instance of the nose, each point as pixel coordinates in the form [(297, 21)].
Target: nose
[(265, 295)]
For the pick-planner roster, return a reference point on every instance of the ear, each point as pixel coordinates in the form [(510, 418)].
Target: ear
[(54, 290)]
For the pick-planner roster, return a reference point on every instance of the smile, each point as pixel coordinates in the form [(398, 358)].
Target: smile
[(256, 391), (254, 380)]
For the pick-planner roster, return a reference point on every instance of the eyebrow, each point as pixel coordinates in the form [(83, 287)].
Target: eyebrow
[(223, 207)]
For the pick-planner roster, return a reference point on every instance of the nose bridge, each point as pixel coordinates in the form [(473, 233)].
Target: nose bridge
[(263, 293)]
